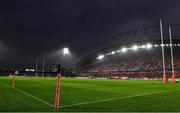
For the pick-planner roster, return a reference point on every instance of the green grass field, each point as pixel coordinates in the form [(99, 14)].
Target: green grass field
[(88, 95)]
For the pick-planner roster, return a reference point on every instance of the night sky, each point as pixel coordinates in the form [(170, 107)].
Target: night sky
[(37, 28)]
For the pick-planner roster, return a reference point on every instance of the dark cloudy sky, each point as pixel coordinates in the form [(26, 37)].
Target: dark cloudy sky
[(31, 28)]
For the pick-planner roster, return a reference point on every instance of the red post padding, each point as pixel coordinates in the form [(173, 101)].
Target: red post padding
[(57, 98), (164, 78), (173, 79)]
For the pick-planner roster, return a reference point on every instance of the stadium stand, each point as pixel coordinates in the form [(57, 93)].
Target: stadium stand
[(133, 64), (146, 63)]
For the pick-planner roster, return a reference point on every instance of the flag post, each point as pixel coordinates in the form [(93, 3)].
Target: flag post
[(172, 57), (163, 59), (57, 98)]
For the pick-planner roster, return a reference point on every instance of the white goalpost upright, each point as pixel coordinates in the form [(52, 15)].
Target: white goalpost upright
[(43, 67), (36, 73), (163, 58), (172, 56)]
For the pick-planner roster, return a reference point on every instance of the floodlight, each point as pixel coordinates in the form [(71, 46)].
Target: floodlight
[(162, 45), (156, 45), (66, 51), (143, 46), (135, 47), (113, 52), (148, 46), (30, 70), (100, 57), (124, 49)]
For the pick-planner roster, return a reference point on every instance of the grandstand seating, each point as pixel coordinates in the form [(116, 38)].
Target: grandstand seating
[(140, 64)]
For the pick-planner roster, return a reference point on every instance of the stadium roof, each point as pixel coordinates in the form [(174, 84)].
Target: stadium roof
[(148, 34)]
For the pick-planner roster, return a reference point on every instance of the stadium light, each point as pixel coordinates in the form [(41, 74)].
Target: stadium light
[(124, 49), (135, 47), (30, 70), (66, 51), (148, 46), (162, 45), (156, 45), (113, 52), (100, 57), (143, 46)]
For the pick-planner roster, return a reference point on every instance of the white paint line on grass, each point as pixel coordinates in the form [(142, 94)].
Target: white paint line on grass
[(19, 90), (118, 98)]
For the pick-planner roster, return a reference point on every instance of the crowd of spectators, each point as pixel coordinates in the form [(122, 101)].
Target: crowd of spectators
[(146, 65)]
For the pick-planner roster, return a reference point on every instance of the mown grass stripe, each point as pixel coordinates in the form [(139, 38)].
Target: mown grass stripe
[(119, 98), (21, 91)]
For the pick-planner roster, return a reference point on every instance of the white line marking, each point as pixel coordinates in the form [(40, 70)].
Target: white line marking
[(43, 101), (118, 98), (92, 102)]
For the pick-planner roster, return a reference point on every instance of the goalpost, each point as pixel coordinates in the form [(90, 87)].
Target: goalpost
[(172, 57), (163, 59)]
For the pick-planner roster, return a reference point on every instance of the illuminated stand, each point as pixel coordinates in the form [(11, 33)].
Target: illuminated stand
[(149, 46)]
